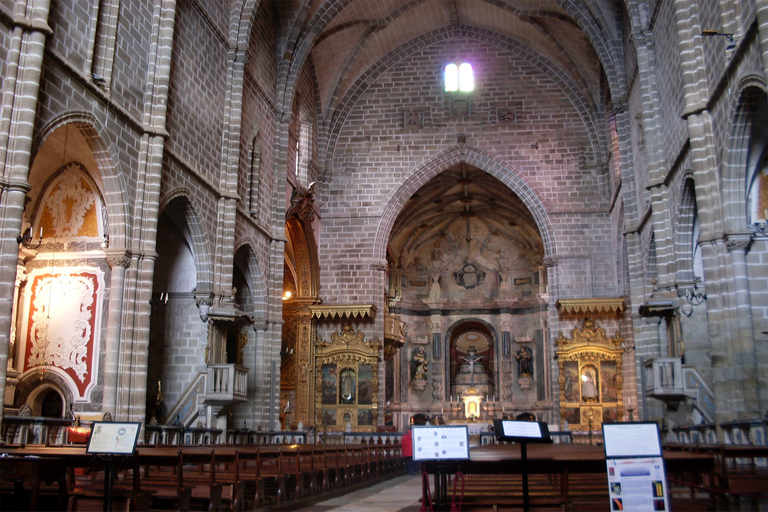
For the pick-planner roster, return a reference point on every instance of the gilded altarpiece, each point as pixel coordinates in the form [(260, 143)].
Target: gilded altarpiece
[(346, 382), (590, 378)]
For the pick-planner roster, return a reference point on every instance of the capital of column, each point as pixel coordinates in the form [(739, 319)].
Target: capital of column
[(284, 117), (619, 107), (738, 243), (118, 258), (549, 262)]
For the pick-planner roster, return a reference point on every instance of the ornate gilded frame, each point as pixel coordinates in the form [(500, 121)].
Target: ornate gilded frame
[(347, 350), (596, 357)]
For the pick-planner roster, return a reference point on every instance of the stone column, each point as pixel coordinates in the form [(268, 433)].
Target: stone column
[(743, 354), (118, 260), (762, 28), (21, 85)]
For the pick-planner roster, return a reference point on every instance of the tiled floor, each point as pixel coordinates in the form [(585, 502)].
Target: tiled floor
[(400, 494)]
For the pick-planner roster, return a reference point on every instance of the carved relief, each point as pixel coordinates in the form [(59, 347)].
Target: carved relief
[(62, 325)]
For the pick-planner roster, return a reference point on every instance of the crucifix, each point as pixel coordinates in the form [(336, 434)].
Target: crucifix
[(472, 358)]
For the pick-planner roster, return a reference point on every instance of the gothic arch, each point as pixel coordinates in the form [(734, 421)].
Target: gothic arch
[(751, 91), (256, 279), (397, 199), (196, 237), (303, 257), (112, 178)]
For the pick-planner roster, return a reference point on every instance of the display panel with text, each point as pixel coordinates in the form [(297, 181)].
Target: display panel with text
[(440, 442), (110, 438)]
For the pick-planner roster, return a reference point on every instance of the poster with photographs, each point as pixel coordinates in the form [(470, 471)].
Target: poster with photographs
[(637, 485), (440, 443)]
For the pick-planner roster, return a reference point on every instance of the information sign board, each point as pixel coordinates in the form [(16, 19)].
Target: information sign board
[(637, 485), (440, 442), (631, 439), (110, 438)]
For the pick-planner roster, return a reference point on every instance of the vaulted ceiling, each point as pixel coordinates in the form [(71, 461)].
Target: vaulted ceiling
[(351, 38)]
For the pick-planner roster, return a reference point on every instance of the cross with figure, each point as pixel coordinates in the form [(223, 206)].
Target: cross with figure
[(471, 359)]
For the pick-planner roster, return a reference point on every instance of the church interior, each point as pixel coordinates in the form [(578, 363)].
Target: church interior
[(330, 216)]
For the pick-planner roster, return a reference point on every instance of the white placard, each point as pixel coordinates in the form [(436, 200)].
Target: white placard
[(113, 438), (440, 443), (637, 485), (631, 440), (521, 429)]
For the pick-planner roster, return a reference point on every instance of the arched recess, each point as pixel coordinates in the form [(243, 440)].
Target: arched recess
[(80, 133), (63, 277), (397, 199), (180, 288), (745, 169), (687, 252), (249, 266), (464, 336)]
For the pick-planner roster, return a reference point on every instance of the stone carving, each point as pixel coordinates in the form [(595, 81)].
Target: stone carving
[(469, 276), (437, 389), (79, 218), (63, 337), (413, 120)]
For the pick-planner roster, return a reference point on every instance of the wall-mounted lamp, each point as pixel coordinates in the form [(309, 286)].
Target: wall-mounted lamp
[(26, 239), (105, 242), (728, 37), (694, 296), (286, 353), (761, 227), (287, 295)]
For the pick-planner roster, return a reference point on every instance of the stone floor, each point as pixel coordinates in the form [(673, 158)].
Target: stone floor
[(399, 494)]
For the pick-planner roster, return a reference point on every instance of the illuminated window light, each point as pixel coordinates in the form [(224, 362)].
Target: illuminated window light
[(451, 78), (466, 78), (459, 78)]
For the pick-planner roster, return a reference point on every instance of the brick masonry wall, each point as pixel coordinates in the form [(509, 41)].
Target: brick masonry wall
[(548, 149)]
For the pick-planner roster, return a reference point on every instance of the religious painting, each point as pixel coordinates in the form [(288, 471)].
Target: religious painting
[(573, 415), (365, 385), (364, 417), (590, 384), (608, 378), (610, 415), (571, 375), (329, 384), (347, 386), (329, 417)]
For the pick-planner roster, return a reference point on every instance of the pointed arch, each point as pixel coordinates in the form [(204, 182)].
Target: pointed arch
[(111, 177), (428, 170), (196, 236), (746, 147)]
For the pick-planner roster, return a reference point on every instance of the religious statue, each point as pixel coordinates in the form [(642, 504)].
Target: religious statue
[(420, 364), (524, 358), (471, 359), (588, 387), (347, 387)]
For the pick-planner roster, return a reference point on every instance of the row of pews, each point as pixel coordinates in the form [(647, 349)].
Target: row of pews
[(222, 477)]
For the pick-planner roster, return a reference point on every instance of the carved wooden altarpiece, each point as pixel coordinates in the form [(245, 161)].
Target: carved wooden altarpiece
[(590, 377), (347, 382)]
